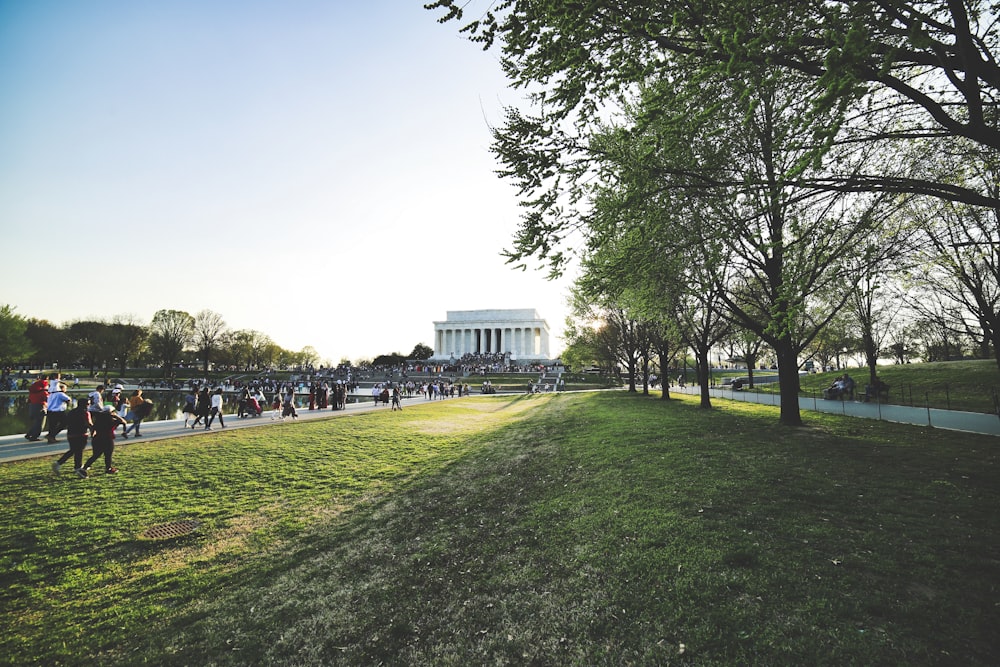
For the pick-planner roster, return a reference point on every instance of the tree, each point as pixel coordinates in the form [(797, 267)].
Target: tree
[(833, 339), (208, 328), (271, 354), (931, 65), (938, 326), (389, 360), (421, 352), (14, 344), (773, 151), (247, 347), (903, 336), (622, 264), (171, 331), (88, 343), (666, 342), (48, 342), (746, 345), (239, 344), (758, 253), (308, 356), (963, 264), (617, 333), (584, 349), (874, 314), (124, 339)]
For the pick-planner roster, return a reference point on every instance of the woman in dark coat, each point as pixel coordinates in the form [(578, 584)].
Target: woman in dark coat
[(202, 407)]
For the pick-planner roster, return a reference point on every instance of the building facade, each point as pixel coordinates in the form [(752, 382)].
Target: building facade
[(520, 333)]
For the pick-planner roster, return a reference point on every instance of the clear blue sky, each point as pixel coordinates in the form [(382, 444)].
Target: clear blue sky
[(318, 171)]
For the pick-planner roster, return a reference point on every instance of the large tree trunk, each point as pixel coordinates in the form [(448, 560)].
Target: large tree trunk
[(704, 376), (788, 383), (992, 331), (645, 375), (632, 370), (871, 356), (664, 375)]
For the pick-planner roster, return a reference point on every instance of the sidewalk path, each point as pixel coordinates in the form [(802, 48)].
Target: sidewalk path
[(15, 447), (952, 420)]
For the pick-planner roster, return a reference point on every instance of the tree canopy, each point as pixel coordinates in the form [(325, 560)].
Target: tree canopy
[(784, 135)]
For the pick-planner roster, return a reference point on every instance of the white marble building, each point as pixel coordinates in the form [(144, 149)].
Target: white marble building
[(521, 333)]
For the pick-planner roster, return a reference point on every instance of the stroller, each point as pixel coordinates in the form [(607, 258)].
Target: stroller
[(249, 407)]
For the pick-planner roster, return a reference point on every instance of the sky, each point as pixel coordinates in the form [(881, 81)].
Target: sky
[(318, 171)]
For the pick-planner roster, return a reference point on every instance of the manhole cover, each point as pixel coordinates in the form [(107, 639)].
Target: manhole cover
[(172, 529)]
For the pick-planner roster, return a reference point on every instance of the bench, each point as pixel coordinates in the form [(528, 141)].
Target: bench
[(880, 392)]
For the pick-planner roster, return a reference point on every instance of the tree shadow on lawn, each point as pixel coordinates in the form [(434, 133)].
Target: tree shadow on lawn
[(664, 543)]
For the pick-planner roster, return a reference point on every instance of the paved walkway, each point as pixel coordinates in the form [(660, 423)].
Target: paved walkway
[(15, 447), (953, 420)]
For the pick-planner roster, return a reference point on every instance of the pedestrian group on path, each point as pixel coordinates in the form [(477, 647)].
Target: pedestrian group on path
[(91, 419)]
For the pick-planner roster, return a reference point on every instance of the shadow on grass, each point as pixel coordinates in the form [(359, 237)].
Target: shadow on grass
[(615, 529)]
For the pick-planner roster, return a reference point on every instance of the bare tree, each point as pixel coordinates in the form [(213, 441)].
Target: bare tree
[(963, 265), (208, 329)]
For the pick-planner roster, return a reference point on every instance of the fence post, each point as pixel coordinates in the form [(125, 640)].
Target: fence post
[(927, 404), (947, 396)]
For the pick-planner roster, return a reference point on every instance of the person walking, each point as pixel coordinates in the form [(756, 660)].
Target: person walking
[(106, 423), (396, 405), (202, 407), (215, 410), (136, 413), (56, 408), (190, 400), (96, 399), (79, 426), (119, 403), (38, 398), (55, 379), (288, 405), (117, 398)]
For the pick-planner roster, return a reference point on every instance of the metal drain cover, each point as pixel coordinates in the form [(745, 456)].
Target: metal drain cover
[(172, 529)]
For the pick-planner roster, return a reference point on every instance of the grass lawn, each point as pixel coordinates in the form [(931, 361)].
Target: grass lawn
[(581, 529)]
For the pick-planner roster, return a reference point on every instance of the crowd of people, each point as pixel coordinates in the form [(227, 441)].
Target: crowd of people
[(110, 411), (84, 419)]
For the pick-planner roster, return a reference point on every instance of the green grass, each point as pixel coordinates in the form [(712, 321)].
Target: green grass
[(579, 529), (951, 385), (948, 385)]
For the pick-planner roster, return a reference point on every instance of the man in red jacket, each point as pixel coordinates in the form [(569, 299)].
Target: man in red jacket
[(38, 397)]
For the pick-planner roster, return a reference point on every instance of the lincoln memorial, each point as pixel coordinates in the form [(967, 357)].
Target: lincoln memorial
[(522, 334)]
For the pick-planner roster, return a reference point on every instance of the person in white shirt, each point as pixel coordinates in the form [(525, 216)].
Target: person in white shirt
[(97, 399), (215, 410), (59, 403)]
